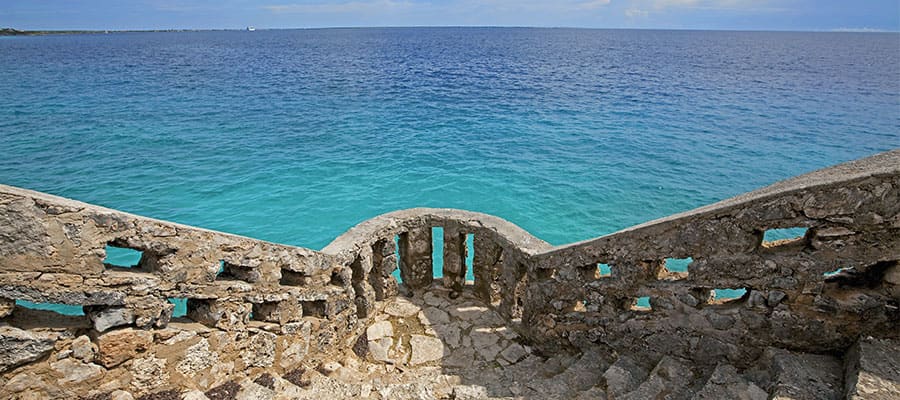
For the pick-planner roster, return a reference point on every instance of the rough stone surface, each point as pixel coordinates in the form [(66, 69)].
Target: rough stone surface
[(872, 369), (623, 376), (401, 308), (6, 307), (726, 383), (197, 358), (18, 346), (111, 317), (469, 392), (425, 349), (255, 306), (261, 350), (83, 349), (148, 373), (118, 346), (74, 372), (805, 376)]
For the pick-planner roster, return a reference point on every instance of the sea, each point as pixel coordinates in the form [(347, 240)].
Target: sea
[(294, 136)]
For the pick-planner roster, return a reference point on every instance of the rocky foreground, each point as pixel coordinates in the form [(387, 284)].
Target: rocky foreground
[(433, 347)]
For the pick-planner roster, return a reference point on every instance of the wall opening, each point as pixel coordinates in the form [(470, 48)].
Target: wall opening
[(674, 269), (396, 272), (337, 279), (437, 252), (180, 306), (293, 278), (314, 308), (64, 309), (470, 257), (641, 304), (122, 257), (781, 236), (228, 271), (604, 270), (723, 296)]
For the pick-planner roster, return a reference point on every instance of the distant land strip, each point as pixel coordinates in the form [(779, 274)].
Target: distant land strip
[(16, 32)]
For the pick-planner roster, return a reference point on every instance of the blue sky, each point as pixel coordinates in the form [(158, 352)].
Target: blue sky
[(677, 14)]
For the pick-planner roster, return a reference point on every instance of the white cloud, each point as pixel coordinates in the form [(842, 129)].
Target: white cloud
[(636, 12), (593, 5), (339, 8), (456, 6), (643, 8)]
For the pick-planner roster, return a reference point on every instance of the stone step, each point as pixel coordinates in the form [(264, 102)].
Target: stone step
[(726, 383), (872, 369), (803, 376), (670, 379)]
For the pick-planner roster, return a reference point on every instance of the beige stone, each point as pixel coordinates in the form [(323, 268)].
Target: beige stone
[(114, 348)]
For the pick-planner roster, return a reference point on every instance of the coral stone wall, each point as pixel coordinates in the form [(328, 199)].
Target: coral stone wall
[(703, 285)]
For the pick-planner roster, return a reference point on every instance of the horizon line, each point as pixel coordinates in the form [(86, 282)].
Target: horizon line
[(101, 30)]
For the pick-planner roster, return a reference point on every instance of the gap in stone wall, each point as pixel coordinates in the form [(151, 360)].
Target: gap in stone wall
[(122, 257), (396, 272), (641, 304), (180, 306), (293, 278), (63, 309), (604, 270), (723, 296), (470, 257), (780, 236), (437, 251)]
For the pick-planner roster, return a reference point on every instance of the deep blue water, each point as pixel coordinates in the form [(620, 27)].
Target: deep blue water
[(294, 136)]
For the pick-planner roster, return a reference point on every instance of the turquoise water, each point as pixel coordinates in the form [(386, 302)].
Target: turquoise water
[(294, 136)]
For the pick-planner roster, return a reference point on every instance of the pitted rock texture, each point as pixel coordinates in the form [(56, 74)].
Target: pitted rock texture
[(537, 321)]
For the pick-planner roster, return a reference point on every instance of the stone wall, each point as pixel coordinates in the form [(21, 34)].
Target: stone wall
[(251, 305), (255, 306)]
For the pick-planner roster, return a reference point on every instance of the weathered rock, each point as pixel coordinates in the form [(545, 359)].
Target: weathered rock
[(380, 339), (194, 395), (6, 307), (109, 317), (726, 383), (197, 358), (122, 395), (116, 347), (148, 373), (83, 349), (449, 333), (623, 376), (18, 346), (433, 316), (469, 392), (872, 369), (515, 352), (401, 307), (73, 372), (260, 351), (670, 379), (804, 376), (425, 349), (253, 391)]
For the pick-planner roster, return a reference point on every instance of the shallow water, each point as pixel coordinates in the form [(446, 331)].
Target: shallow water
[(294, 136)]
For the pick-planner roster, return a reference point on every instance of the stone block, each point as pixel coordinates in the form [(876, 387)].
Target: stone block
[(104, 318), (18, 346), (118, 346)]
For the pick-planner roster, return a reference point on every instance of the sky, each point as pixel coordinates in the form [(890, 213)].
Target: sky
[(815, 15)]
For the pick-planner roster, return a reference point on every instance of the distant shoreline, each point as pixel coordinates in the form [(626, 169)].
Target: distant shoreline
[(16, 32)]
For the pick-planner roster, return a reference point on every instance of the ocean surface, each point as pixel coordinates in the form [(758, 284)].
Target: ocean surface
[(294, 136)]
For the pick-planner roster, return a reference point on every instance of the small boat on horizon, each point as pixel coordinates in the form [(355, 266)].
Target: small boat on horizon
[(250, 29)]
